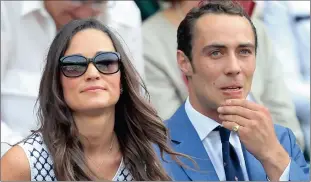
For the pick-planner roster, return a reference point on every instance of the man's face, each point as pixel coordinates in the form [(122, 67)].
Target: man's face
[(223, 59), (65, 11)]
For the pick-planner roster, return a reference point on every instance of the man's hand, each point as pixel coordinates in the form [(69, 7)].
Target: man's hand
[(257, 133)]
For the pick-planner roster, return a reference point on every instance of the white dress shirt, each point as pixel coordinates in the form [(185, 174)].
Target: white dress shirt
[(27, 30), (212, 143)]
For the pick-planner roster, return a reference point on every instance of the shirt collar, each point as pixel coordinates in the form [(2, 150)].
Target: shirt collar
[(32, 6), (202, 124)]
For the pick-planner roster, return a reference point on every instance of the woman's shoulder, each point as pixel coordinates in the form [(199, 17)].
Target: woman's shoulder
[(39, 158), (15, 165), (34, 147), (31, 159), (35, 140)]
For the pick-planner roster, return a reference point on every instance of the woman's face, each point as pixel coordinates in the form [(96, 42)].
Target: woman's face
[(92, 91)]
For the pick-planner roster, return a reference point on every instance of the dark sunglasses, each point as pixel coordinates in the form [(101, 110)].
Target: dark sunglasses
[(76, 65)]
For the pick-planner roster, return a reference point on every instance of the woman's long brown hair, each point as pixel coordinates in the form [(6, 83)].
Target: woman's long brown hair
[(137, 125)]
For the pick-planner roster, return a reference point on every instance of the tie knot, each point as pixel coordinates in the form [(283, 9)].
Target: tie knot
[(224, 133)]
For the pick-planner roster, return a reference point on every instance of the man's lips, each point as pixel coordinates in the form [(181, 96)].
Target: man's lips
[(234, 91), (231, 87)]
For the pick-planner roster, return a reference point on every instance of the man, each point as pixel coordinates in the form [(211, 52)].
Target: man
[(165, 82), (217, 45), (28, 28)]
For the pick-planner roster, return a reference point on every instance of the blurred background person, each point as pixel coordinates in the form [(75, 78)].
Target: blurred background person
[(164, 79), (168, 87), (288, 26), (27, 29)]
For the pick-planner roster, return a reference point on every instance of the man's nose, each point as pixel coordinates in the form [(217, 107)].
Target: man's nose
[(233, 66)]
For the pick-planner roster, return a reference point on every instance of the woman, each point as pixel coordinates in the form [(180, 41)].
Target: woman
[(94, 122)]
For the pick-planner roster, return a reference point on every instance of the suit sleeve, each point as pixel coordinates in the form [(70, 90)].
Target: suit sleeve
[(299, 169)]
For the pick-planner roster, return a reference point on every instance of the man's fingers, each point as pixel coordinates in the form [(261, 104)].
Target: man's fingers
[(235, 118), (236, 110), (243, 103)]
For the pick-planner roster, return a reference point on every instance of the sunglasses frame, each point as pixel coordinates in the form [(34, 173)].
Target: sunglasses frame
[(88, 61)]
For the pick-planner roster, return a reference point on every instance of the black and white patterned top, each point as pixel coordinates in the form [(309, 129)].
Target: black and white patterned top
[(41, 162)]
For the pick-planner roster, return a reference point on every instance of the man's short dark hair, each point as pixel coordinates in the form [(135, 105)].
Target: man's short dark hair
[(186, 27)]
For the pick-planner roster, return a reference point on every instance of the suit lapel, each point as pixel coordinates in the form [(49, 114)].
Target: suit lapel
[(183, 132), (254, 168)]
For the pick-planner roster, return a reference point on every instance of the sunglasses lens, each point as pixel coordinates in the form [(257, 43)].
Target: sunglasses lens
[(107, 63), (73, 66)]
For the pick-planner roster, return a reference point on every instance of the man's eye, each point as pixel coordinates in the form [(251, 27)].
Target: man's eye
[(215, 54), (245, 52)]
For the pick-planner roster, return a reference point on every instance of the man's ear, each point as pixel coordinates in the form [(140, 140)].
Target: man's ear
[(184, 64)]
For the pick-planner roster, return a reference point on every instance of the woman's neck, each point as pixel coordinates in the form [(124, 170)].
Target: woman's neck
[(96, 132)]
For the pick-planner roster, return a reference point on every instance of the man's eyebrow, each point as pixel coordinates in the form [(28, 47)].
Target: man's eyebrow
[(215, 45), (247, 45), (222, 46)]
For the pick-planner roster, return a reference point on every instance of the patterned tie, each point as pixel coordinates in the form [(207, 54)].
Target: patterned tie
[(231, 161)]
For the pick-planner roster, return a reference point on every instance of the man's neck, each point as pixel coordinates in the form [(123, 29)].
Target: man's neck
[(204, 109)]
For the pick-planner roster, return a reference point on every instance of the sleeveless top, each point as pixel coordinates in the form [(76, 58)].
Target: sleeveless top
[(41, 162)]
